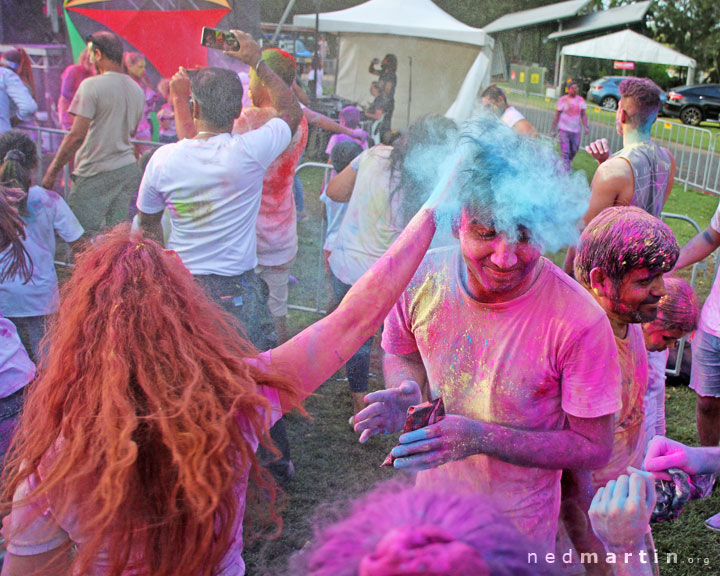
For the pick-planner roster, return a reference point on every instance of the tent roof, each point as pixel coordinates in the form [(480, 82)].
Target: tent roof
[(418, 18), (535, 16), (612, 18), (629, 46)]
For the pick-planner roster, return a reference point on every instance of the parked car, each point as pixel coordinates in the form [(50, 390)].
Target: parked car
[(606, 92), (694, 104)]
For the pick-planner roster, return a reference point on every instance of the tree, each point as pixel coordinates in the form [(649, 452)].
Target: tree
[(691, 27)]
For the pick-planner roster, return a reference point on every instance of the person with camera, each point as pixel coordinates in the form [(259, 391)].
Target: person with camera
[(211, 181)]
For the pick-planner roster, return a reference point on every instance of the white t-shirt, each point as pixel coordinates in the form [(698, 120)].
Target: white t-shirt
[(511, 116), (525, 363), (212, 189), (48, 213), (372, 221), (16, 368), (710, 316)]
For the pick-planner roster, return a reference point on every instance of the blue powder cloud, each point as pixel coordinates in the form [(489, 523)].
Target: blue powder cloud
[(510, 178)]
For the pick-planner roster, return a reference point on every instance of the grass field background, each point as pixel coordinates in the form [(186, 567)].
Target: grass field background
[(332, 466)]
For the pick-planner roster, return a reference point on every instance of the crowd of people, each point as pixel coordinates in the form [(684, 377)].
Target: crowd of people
[(141, 403)]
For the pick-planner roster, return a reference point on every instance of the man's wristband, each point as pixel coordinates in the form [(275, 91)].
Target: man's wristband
[(257, 64)]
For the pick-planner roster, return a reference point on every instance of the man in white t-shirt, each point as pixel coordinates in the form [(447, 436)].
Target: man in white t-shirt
[(522, 356), (211, 184), (494, 99), (106, 110)]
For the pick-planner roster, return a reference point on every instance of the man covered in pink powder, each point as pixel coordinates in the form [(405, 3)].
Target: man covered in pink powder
[(522, 356), (621, 258), (277, 241), (569, 115)]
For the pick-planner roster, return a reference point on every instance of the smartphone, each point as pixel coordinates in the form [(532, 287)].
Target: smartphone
[(218, 39)]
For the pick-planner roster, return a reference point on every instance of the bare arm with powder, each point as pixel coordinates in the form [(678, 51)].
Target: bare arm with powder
[(340, 188), (698, 248), (324, 123), (317, 352), (585, 444)]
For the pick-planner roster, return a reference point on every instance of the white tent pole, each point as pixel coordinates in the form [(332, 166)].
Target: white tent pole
[(409, 91), (557, 55), (282, 21), (561, 75)]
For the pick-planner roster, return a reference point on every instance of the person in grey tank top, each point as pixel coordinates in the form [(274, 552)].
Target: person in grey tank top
[(641, 173)]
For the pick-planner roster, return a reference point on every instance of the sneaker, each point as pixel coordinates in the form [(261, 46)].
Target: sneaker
[(713, 523)]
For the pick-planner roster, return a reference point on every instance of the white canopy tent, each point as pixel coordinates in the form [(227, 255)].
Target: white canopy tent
[(434, 51), (628, 46)]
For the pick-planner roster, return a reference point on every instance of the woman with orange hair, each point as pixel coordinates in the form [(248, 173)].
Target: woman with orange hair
[(138, 439)]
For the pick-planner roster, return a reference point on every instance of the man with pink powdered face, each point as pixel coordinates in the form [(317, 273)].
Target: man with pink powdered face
[(522, 355)]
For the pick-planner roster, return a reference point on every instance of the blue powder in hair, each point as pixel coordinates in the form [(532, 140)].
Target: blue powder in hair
[(509, 180)]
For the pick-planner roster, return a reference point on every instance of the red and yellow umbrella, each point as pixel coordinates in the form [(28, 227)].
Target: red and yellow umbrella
[(167, 32)]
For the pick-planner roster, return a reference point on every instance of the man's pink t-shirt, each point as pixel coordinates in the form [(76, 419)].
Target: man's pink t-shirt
[(28, 533), (277, 241), (570, 120), (629, 438), (526, 363)]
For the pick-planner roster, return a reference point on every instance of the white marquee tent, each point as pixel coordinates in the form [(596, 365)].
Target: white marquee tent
[(435, 53), (629, 46)]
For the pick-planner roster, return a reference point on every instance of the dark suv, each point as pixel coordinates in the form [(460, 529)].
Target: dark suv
[(694, 104)]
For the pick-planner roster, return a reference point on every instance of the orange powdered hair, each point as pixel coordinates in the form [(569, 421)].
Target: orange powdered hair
[(133, 421)]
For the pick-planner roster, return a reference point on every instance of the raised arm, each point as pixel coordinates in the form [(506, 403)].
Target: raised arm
[(324, 123), (320, 350), (282, 97), (180, 99)]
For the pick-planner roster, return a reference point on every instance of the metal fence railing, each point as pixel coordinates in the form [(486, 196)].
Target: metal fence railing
[(47, 141), (695, 149), (320, 285)]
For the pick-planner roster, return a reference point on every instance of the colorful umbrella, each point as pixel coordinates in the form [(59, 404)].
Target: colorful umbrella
[(167, 32)]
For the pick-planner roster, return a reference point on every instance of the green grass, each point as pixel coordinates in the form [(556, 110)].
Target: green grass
[(331, 465)]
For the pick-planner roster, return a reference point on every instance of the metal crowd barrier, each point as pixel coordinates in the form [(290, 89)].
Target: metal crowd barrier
[(320, 284), (694, 148), (48, 140)]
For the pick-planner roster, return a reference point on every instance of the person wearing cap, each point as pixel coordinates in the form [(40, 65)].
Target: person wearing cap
[(107, 109)]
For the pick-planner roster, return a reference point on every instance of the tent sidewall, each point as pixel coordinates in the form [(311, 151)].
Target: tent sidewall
[(438, 71)]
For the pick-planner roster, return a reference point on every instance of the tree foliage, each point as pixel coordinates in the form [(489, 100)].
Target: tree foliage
[(691, 27)]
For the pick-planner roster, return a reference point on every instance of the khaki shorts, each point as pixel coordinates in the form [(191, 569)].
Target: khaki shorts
[(276, 277)]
